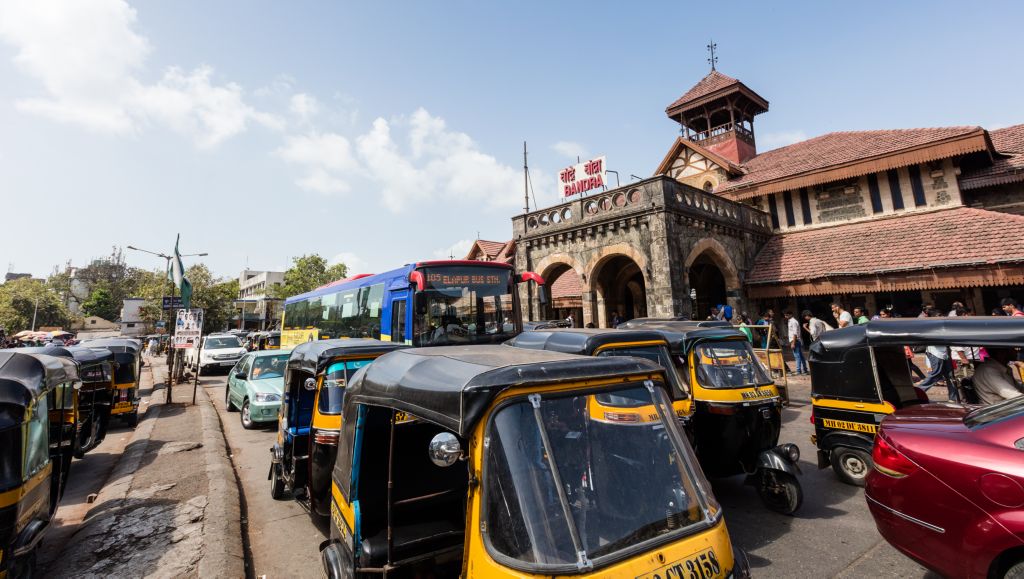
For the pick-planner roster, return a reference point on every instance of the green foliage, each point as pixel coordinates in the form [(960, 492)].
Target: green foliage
[(18, 301), (101, 303), (215, 296), (306, 273)]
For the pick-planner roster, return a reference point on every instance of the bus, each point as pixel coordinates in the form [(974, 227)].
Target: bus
[(429, 303)]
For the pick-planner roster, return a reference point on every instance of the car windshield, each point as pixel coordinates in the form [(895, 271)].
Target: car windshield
[(729, 364), (264, 367), (464, 305), (332, 392), (994, 413), (561, 474), (656, 354), (221, 342)]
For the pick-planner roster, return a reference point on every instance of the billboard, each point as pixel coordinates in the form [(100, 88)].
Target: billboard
[(583, 177), (188, 328)]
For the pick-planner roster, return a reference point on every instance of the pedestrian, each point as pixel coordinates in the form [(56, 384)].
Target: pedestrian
[(814, 326), (795, 342), (572, 322), (860, 316), (940, 367), (910, 362), (992, 379), (924, 310), (616, 319), (842, 316), (957, 310), (1012, 308)]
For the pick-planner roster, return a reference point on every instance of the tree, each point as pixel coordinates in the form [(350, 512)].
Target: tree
[(307, 273), (215, 296), (18, 301), (101, 303)]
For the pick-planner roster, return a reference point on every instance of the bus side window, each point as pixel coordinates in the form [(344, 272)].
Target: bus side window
[(398, 321)]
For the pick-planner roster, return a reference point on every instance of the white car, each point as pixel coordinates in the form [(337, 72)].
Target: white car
[(218, 351)]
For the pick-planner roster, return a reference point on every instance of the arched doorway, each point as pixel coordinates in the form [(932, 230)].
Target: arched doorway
[(566, 294), (707, 286), (620, 288)]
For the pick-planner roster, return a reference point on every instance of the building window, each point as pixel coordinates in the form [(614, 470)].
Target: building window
[(774, 211), (708, 186), (876, 195), (805, 205), (894, 189), (916, 185), (787, 201)]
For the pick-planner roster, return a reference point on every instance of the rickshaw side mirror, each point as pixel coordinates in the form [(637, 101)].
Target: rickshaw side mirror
[(445, 449), (309, 384)]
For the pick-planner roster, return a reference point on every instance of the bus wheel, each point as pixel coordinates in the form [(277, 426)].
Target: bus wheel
[(851, 465)]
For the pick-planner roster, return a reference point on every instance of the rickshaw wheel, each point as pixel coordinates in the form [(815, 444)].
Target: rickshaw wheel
[(25, 566), (780, 491), (851, 465), (133, 419), (276, 484)]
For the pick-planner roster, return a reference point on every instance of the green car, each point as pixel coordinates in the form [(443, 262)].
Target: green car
[(255, 386)]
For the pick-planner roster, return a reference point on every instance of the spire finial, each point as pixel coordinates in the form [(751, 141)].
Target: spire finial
[(712, 59)]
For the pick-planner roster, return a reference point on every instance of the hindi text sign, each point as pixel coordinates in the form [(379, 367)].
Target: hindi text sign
[(583, 177)]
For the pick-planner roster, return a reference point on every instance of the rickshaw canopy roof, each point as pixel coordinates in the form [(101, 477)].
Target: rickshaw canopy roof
[(682, 335), (24, 377), (580, 340), (453, 386), (693, 324), (113, 344), (313, 357), (957, 331), (85, 356)]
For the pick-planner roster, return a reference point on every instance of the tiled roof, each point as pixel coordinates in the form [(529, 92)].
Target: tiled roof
[(714, 81), (490, 248), (917, 241), (834, 149), (500, 251), (1008, 141), (567, 285)]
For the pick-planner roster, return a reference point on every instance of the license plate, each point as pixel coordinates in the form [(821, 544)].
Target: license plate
[(847, 425), (701, 565), (123, 406)]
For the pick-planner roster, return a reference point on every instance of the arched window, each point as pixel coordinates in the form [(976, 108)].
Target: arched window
[(708, 186)]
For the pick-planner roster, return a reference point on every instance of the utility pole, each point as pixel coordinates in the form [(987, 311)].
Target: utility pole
[(35, 311), (526, 182)]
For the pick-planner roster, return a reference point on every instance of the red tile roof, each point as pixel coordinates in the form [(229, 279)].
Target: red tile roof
[(567, 285), (918, 241), (1008, 141), (500, 251), (714, 81)]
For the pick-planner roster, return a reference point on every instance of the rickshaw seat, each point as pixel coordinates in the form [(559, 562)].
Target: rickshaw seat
[(411, 540)]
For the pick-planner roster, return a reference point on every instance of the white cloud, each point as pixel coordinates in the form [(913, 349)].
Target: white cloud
[(354, 262), (304, 106), (570, 149), (459, 249), (87, 57), (768, 141)]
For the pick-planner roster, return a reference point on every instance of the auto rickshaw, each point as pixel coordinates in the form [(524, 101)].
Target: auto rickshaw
[(267, 341), (30, 479), (737, 415), (310, 416), (636, 323), (860, 374), (127, 374), (485, 461), (600, 342)]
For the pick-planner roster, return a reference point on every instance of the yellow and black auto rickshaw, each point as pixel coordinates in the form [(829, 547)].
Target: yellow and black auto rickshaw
[(737, 414), (310, 417), (601, 342), (30, 479), (127, 374), (486, 461), (266, 341)]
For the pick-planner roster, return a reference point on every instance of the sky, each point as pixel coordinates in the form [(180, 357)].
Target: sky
[(382, 133)]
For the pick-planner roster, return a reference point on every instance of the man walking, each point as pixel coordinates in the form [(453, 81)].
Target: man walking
[(843, 317), (1012, 308), (795, 342), (814, 326)]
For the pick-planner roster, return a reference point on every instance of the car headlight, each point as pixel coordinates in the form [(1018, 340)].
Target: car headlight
[(267, 397)]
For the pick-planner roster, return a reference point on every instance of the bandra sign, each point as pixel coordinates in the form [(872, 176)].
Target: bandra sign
[(583, 177)]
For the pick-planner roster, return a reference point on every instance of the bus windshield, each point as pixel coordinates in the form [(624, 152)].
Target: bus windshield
[(464, 305)]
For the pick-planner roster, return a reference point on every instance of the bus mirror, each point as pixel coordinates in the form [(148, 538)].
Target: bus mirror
[(531, 276), (445, 449), (416, 277)]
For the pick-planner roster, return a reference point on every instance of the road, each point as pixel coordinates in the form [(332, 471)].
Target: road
[(832, 535)]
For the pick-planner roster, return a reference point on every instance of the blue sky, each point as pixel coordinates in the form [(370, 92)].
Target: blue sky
[(387, 132)]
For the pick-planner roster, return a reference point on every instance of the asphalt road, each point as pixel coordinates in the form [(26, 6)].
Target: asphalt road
[(832, 535)]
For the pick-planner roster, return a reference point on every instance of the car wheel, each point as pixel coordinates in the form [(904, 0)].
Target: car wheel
[(1015, 572), (276, 483), (246, 416), (851, 465), (227, 400)]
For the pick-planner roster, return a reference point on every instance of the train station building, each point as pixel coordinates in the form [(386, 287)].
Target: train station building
[(883, 218)]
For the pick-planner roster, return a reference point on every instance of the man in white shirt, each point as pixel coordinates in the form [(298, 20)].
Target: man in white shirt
[(940, 367), (844, 317), (795, 343), (992, 379)]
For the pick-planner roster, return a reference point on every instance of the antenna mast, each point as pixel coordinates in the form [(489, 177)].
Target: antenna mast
[(526, 182)]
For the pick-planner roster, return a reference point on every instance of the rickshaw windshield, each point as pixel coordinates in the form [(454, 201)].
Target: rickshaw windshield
[(656, 354), (264, 367), (728, 364), (332, 392), (558, 480), (10, 465), (93, 374)]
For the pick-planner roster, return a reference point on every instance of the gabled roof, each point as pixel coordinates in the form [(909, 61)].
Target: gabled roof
[(1007, 168), (484, 250), (682, 143), (712, 86), (843, 155)]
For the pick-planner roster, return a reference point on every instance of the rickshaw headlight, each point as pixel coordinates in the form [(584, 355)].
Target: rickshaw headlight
[(790, 451)]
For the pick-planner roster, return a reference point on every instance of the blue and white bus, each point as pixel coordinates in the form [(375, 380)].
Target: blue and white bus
[(429, 303)]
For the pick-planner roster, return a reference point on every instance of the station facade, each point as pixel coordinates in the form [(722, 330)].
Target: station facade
[(887, 218)]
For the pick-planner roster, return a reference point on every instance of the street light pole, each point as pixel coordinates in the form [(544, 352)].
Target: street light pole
[(35, 311)]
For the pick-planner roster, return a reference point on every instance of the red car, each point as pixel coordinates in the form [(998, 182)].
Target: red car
[(947, 488)]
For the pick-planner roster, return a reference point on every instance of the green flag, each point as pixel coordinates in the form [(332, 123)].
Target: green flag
[(177, 275)]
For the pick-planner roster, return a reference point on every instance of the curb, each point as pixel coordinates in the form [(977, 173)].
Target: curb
[(223, 553)]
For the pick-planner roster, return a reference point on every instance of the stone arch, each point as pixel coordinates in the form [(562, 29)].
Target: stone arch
[(563, 276), (618, 280), (720, 256), (712, 277)]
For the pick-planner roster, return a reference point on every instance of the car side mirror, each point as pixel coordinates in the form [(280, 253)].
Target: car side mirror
[(445, 449), (309, 384), (241, 375)]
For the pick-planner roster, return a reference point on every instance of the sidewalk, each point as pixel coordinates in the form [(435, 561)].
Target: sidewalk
[(171, 505)]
